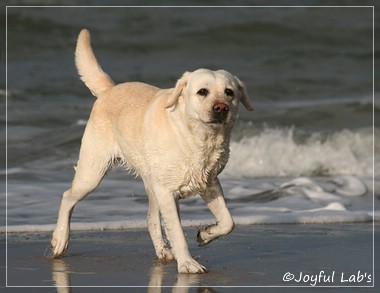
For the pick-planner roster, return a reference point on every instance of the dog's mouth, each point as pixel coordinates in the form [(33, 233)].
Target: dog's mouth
[(217, 121)]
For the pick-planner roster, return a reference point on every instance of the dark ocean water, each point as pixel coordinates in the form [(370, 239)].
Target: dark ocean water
[(308, 71)]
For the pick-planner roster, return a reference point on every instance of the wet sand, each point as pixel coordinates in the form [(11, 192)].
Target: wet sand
[(258, 255)]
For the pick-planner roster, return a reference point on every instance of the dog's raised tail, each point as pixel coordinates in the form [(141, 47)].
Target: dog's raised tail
[(88, 67)]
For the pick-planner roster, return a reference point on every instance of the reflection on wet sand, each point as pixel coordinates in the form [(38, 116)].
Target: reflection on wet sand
[(182, 284), (61, 275), (61, 272)]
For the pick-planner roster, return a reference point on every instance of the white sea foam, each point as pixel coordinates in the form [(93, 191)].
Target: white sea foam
[(251, 201), (279, 153)]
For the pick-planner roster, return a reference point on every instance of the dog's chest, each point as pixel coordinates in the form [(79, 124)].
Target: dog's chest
[(202, 168)]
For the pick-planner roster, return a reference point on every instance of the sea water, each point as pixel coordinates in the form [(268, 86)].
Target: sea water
[(305, 155)]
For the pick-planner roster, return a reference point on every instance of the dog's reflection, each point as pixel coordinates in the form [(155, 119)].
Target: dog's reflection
[(182, 285), (61, 276)]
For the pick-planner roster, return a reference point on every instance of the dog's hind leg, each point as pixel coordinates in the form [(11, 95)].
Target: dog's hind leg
[(214, 199), (94, 161), (155, 229)]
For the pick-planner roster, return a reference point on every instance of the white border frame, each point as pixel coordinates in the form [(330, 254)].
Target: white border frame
[(208, 6)]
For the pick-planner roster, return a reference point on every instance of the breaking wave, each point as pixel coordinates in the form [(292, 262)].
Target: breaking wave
[(282, 152)]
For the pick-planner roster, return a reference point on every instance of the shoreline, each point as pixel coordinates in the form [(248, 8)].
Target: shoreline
[(256, 255)]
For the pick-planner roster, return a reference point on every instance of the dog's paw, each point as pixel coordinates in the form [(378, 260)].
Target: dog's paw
[(165, 255), (190, 266), (58, 246), (204, 236)]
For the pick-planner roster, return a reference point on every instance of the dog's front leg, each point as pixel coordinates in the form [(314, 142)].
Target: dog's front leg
[(214, 199), (168, 208)]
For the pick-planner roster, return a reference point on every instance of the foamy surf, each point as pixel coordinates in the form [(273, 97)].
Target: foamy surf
[(280, 152), (341, 199)]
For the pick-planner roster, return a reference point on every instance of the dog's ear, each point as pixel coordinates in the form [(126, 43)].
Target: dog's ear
[(243, 95), (177, 91)]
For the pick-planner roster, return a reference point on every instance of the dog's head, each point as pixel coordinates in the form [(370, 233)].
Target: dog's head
[(211, 97)]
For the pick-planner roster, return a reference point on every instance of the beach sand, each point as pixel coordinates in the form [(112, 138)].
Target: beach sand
[(256, 255)]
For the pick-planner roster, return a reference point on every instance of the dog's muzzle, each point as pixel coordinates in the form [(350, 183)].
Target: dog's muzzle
[(219, 113)]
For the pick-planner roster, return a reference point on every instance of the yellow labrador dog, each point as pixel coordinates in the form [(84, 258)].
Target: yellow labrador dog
[(176, 140)]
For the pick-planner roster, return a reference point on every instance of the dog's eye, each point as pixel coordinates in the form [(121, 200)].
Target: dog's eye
[(202, 92), (229, 92)]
